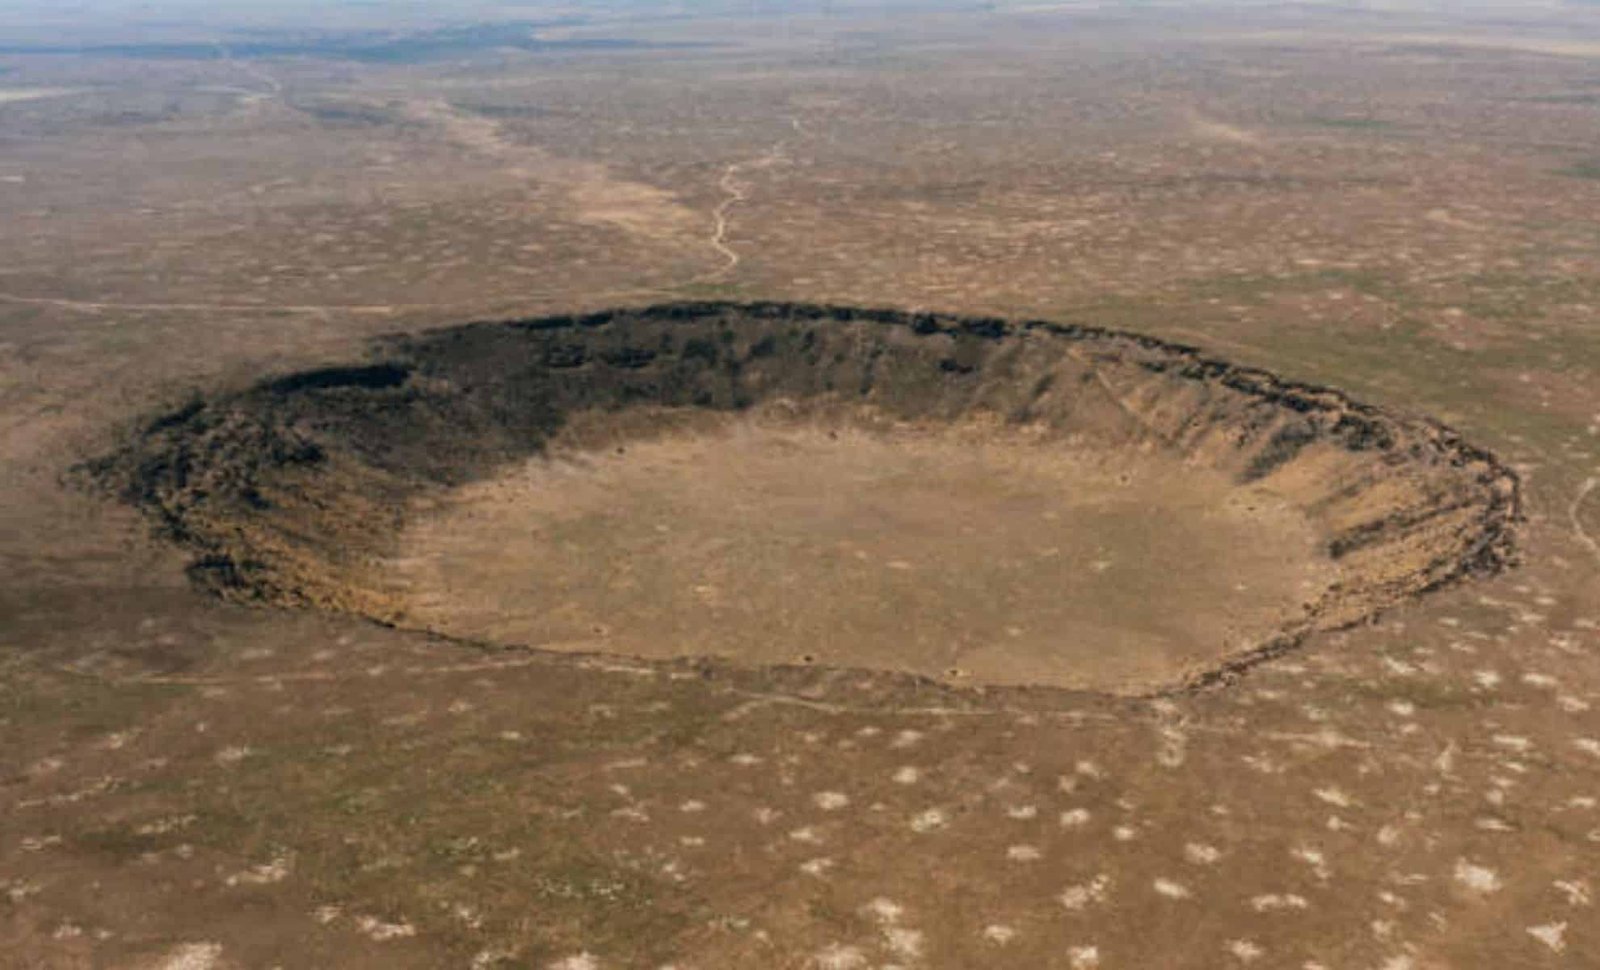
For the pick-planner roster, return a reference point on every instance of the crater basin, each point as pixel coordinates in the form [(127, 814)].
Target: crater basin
[(976, 501)]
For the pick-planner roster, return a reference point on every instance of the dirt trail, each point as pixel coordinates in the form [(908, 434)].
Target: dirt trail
[(593, 194), (736, 193), (16, 95), (274, 86), (1574, 513), (317, 309), (97, 306), (1214, 130)]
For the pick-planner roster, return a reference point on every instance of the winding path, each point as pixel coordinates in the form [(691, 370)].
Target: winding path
[(274, 86), (1573, 511), (736, 192)]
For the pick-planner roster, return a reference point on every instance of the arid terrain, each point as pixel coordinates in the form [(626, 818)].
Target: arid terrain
[(336, 634)]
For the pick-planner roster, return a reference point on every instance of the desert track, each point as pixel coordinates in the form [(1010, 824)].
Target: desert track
[(737, 193), (97, 306), (1573, 511)]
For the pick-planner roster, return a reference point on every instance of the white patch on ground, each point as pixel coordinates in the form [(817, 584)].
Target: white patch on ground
[(817, 867), (192, 956), (1083, 957), (1173, 750), (837, 956), (1479, 879), (1576, 892), (1245, 951), (929, 821), (1333, 796), (830, 801), (907, 775), (263, 875), (1200, 854), (903, 942), (1552, 935), (1274, 902), (1171, 889), (884, 911), (1262, 764), (168, 823), (1024, 853), (232, 755), (383, 931), (1313, 858), (1398, 667), (578, 961), (999, 935), (1078, 897), (45, 765), (1074, 818), (906, 739), (469, 917)]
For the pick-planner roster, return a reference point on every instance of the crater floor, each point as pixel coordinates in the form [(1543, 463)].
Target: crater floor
[(968, 552)]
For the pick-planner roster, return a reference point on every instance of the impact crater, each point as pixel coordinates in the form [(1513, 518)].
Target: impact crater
[(975, 501)]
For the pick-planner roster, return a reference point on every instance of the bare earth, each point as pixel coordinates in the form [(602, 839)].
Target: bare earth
[(989, 560)]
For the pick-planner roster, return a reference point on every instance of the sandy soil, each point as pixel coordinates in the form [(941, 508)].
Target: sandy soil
[(972, 555)]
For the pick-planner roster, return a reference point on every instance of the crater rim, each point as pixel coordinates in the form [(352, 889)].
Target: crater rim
[(230, 476)]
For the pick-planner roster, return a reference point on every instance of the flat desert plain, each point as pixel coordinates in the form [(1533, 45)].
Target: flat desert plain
[(830, 486)]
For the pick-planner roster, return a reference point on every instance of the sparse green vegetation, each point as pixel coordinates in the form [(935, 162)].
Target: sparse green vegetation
[(1350, 123), (1582, 170), (1563, 99)]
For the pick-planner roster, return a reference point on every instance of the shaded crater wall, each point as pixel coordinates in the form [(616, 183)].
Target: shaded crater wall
[(291, 491)]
